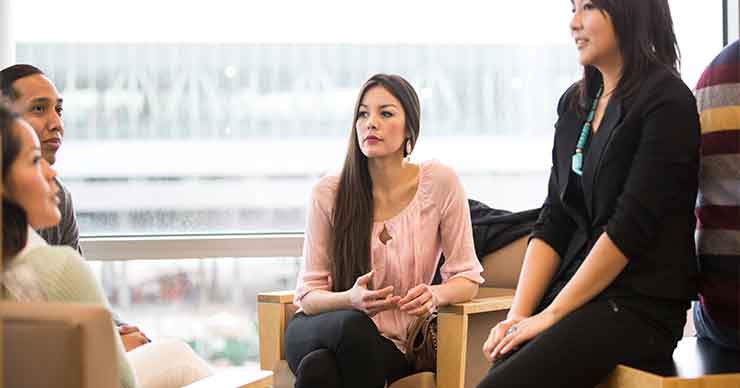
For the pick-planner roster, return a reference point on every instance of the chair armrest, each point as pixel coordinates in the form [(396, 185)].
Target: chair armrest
[(236, 378), (462, 328), (489, 299), (274, 311), (283, 297)]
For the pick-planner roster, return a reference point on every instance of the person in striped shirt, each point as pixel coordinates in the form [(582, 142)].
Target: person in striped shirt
[(717, 315)]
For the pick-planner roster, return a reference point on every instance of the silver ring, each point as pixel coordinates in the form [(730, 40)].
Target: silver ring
[(511, 330)]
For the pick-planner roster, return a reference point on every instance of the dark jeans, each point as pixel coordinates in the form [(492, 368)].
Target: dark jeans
[(584, 347), (707, 328), (364, 358)]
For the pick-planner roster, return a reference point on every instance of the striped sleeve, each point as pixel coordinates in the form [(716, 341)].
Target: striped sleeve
[(718, 204)]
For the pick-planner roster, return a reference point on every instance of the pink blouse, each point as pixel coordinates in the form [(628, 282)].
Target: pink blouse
[(436, 220)]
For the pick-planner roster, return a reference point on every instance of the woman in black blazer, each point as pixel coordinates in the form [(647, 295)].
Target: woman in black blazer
[(610, 267)]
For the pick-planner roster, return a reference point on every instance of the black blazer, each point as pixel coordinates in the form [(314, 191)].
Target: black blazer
[(640, 179)]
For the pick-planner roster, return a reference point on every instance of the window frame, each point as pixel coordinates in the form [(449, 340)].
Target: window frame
[(157, 247), (731, 22)]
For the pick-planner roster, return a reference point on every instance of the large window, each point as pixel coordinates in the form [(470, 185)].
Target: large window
[(217, 117)]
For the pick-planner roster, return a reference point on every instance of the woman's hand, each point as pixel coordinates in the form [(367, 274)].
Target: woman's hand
[(497, 334), (371, 302), (513, 332), (132, 337), (420, 301)]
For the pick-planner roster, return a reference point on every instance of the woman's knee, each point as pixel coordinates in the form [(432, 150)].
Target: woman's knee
[(355, 327), (339, 323), (330, 330)]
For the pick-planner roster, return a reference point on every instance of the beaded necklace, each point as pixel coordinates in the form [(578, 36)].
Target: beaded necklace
[(577, 160)]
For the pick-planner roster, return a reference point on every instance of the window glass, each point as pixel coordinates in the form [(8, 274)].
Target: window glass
[(208, 303), (219, 117)]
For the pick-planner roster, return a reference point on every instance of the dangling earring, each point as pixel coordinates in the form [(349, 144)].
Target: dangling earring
[(408, 149)]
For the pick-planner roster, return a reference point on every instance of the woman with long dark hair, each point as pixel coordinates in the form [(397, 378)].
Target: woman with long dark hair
[(374, 235), (33, 271), (610, 268)]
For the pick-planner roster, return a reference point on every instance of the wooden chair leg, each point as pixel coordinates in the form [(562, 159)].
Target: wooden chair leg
[(462, 329), (451, 350)]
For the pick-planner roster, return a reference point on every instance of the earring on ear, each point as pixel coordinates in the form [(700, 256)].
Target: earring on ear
[(407, 150)]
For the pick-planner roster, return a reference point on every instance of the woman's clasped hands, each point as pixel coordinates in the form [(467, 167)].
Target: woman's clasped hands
[(508, 335), (419, 301)]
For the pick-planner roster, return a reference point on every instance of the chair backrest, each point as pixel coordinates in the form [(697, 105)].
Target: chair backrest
[(501, 268), (58, 345)]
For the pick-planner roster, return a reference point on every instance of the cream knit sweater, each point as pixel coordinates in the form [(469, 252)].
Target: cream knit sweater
[(59, 274)]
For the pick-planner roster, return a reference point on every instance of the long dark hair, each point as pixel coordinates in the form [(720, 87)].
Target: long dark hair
[(353, 207), (644, 31), (15, 224), (13, 73)]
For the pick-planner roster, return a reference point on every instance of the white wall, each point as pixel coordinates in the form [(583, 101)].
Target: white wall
[(7, 44)]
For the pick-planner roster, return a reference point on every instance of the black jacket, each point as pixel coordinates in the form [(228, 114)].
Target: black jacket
[(640, 178), (494, 229)]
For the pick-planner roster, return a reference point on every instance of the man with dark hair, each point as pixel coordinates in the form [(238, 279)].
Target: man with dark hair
[(35, 98)]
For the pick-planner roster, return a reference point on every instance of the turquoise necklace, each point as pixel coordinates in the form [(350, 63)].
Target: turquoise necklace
[(577, 161)]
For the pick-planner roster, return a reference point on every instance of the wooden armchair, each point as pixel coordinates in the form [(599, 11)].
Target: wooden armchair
[(462, 327)]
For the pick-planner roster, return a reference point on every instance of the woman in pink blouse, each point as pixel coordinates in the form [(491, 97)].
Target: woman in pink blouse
[(374, 236)]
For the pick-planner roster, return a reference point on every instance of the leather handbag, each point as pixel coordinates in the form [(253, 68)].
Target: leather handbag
[(421, 345)]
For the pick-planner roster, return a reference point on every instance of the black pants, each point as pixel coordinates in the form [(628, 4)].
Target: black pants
[(365, 359), (584, 347)]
